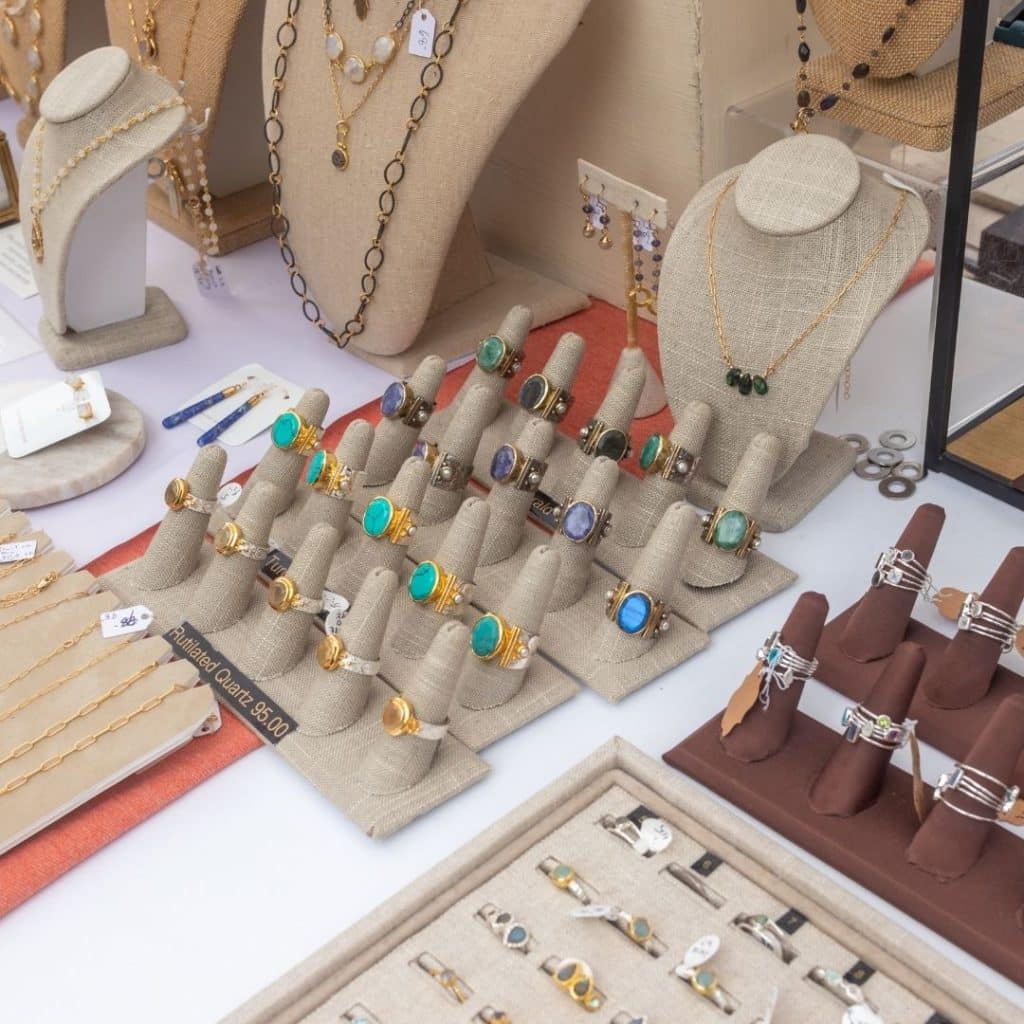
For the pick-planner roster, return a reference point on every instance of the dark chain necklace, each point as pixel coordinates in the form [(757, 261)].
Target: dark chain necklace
[(431, 76), (860, 70)]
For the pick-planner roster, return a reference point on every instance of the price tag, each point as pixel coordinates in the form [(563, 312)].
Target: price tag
[(229, 494), (699, 953), (421, 36), (18, 550), (211, 282), (861, 1014), (336, 608), (125, 621), (655, 834), (595, 910)]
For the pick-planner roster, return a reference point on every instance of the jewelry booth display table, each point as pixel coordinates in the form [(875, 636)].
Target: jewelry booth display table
[(252, 871)]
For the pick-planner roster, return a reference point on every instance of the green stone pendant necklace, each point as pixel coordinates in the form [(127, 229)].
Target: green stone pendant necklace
[(745, 381)]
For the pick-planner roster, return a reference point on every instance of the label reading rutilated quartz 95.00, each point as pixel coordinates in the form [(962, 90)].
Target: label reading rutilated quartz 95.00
[(231, 685)]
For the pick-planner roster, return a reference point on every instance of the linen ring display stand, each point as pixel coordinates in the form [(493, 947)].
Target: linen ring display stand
[(373, 969), (91, 277)]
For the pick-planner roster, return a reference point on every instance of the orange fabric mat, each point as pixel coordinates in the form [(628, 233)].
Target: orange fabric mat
[(46, 856)]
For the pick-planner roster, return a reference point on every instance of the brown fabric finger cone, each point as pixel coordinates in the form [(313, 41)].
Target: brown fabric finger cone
[(392, 439), (656, 493), (510, 506), (414, 625), (339, 698), (396, 763), (362, 553), (655, 573), (597, 488), (460, 440), (226, 589), (948, 844), (173, 553), (963, 675), (280, 468), (765, 730), (853, 776), (709, 566), (485, 684), (282, 638), (514, 330), (880, 621)]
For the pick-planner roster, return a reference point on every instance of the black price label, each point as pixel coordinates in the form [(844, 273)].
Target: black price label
[(276, 564), (542, 510), (707, 864), (791, 921), (859, 973), (231, 685)]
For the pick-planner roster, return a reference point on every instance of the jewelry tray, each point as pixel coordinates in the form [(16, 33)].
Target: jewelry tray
[(371, 967), (979, 911), (117, 753), (951, 731)]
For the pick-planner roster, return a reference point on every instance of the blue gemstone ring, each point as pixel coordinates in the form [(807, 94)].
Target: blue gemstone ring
[(448, 473), (513, 935), (582, 522), (598, 438), (636, 612), (728, 529), (401, 404), (544, 399), (512, 467)]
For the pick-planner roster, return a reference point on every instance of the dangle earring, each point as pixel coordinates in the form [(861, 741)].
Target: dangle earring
[(588, 211), (605, 241), (646, 239)]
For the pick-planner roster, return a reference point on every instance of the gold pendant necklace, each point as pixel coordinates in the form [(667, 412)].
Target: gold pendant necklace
[(9, 600), (745, 381)]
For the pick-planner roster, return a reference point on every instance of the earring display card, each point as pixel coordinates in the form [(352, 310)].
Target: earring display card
[(435, 951), (953, 731), (978, 912)]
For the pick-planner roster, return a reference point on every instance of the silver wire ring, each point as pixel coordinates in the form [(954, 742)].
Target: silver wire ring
[(898, 440), (885, 457), (870, 470), (897, 487)]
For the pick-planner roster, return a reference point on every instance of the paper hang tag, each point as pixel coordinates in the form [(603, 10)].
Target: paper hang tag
[(743, 699), (701, 952), (211, 282), (861, 1013), (336, 608), (229, 494), (125, 621), (949, 602), (655, 835), (1015, 815), (596, 910), (421, 36), (769, 1010), (18, 550)]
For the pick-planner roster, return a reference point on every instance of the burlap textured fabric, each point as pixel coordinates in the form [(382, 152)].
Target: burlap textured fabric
[(597, 488), (413, 626), (918, 110), (854, 31), (771, 287), (53, 15), (339, 698), (397, 763), (226, 590), (498, 54), (510, 506), (173, 553), (393, 439), (316, 507), (486, 684), (93, 94), (360, 553)]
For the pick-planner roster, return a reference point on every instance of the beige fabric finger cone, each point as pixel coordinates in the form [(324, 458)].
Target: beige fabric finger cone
[(655, 573), (413, 626), (227, 588), (280, 639), (400, 762), (575, 560), (392, 439), (510, 506), (173, 553), (99, 91), (707, 565), (338, 699), (485, 684), (360, 553), (460, 441)]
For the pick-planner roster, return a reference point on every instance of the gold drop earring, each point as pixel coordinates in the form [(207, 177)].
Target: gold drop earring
[(605, 241), (588, 210)]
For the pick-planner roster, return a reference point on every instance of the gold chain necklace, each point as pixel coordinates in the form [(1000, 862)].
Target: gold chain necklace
[(87, 741), (743, 380), (145, 47), (9, 600), (356, 69), (40, 196), (86, 709), (9, 30), (41, 611), (67, 645)]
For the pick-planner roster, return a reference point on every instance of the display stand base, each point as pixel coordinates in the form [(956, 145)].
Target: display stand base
[(978, 912), (159, 326), (456, 331), (78, 464), (918, 110), (242, 217), (951, 731)]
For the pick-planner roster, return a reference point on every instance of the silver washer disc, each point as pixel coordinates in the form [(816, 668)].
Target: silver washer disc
[(898, 440), (885, 457), (858, 442), (870, 470), (897, 487), (912, 471)]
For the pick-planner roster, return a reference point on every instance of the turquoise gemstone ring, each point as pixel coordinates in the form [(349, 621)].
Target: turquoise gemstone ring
[(291, 433), (636, 612), (728, 529)]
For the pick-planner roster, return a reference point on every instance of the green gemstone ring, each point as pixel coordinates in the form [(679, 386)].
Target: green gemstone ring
[(731, 530)]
